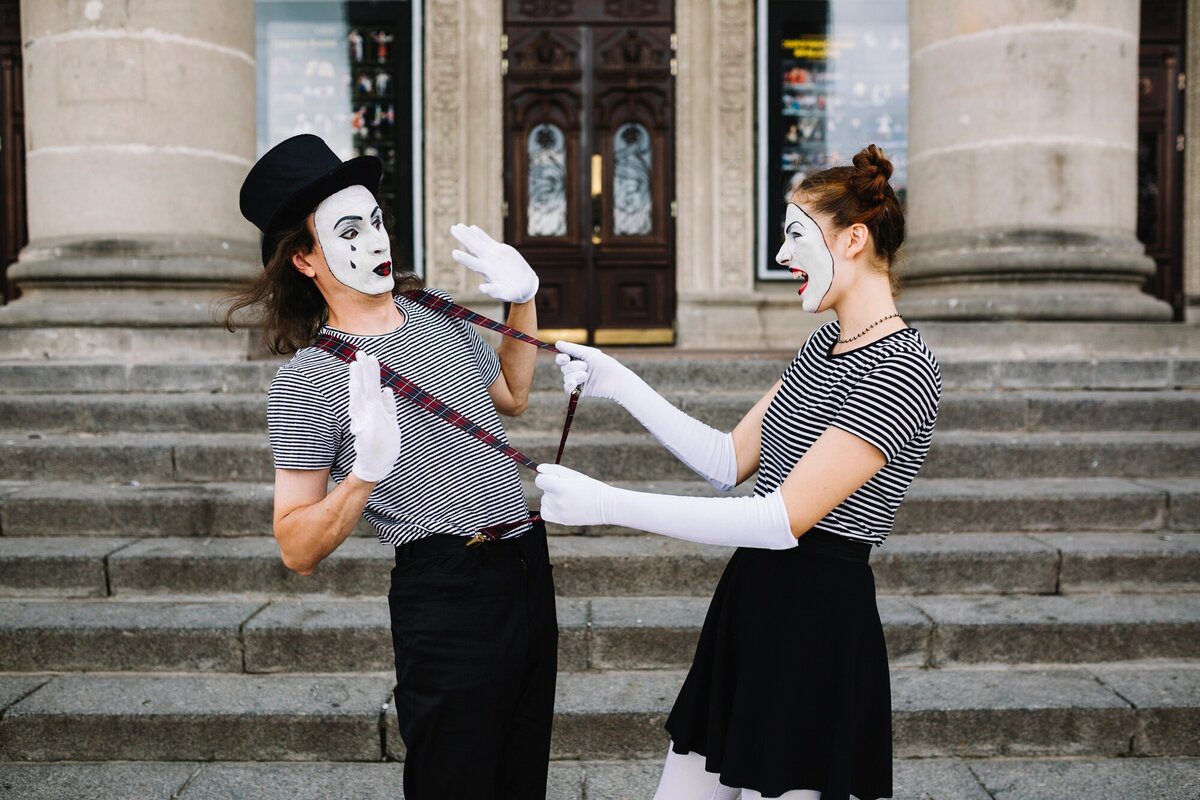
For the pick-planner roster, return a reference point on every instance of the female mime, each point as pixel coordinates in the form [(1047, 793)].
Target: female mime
[(788, 695)]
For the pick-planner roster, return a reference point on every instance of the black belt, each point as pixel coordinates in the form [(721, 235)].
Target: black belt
[(831, 544), (441, 544), (445, 545)]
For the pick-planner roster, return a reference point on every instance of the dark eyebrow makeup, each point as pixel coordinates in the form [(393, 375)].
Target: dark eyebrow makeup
[(343, 219)]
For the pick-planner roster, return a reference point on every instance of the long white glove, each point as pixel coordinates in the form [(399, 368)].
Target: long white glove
[(572, 498), (372, 420), (706, 451), (508, 275)]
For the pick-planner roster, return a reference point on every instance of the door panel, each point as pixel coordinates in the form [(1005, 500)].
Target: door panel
[(13, 230), (1161, 97), (589, 172), (544, 100)]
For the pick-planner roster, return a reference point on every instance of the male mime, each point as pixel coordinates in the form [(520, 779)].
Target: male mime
[(474, 628)]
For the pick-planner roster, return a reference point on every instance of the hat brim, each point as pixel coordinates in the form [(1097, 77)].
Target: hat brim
[(362, 171)]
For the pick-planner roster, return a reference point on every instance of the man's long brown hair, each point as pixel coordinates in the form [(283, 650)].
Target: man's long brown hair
[(291, 309)]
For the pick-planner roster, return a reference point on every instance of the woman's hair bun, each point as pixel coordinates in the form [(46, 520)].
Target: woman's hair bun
[(874, 169)]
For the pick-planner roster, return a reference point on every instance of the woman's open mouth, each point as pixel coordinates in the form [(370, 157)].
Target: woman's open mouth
[(384, 269), (800, 275)]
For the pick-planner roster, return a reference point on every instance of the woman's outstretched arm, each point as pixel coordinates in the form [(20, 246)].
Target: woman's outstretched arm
[(721, 458), (747, 436), (832, 470)]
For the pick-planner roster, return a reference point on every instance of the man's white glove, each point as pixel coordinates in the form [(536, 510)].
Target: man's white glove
[(509, 276), (572, 498), (372, 420), (706, 451)]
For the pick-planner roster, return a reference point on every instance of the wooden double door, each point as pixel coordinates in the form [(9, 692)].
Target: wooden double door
[(589, 164), (1161, 93), (13, 232)]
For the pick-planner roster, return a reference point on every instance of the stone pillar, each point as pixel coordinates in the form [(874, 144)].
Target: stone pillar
[(464, 139), (140, 123), (714, 120), (1022, 177)]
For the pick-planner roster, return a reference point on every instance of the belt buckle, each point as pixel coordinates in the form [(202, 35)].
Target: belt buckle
[(477, 539)]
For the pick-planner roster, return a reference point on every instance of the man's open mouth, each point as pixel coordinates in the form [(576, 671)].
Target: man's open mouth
[(802, 276), (384, 269)]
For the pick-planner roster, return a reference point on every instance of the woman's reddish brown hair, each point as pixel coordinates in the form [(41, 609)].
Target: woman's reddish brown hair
[(860, 194)]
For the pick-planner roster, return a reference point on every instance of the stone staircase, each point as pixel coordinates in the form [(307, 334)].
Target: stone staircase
[(1041, 593)]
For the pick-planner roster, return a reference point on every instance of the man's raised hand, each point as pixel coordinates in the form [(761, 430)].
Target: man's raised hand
[(372, 420), (507, 274)]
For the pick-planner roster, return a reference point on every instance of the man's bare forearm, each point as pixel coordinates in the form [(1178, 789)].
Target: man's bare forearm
[(308, 534), (518, 359)]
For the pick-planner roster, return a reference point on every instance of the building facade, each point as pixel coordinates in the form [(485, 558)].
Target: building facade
[(637, 151)]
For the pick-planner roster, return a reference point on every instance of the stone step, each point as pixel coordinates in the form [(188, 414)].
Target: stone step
[(913, 779), (50, 508), (666, 371), (208, 412), (598, 633), (1097, 710), (961, 410), (615, 566), (192, 458)]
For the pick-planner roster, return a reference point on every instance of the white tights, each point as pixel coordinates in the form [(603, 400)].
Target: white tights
[(684, 778)]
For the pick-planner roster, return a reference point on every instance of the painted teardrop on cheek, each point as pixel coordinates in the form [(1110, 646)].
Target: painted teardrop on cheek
[(353, 265)]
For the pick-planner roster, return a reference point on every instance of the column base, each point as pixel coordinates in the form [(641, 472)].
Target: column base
[(1048, 301), (129, 301), (1029, 275)]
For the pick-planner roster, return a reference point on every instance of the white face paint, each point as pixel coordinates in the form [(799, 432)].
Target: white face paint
[(350, 228), (805, 253)]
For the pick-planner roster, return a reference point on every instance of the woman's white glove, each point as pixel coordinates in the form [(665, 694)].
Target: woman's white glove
[(372, 420), (509, 276), (706, 451), (572, 498)]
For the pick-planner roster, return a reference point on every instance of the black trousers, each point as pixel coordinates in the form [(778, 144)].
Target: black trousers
[(476, 640)]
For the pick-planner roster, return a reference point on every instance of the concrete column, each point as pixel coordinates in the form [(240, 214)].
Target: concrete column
[(464, 140), (1022, 178), (140, 123), (714, 168)]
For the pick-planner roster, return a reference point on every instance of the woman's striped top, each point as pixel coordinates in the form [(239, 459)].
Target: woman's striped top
[(886, 393), (445, 481)]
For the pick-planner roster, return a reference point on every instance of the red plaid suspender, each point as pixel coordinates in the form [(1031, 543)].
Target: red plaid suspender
[(344, 351), (432, 301)]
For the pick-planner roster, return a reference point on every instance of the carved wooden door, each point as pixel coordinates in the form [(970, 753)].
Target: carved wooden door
[(589, 164), (13, 233), (1161, 91)]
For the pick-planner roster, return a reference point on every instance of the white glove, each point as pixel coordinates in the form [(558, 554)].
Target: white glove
[(706, 451), (372, 420), (509, 276), (571, 498)]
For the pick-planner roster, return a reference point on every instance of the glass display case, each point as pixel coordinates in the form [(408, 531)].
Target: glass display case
[(349, 72), (833, 78)]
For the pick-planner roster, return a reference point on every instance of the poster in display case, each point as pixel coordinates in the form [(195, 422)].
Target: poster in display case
[(833, 78), (345, 72)]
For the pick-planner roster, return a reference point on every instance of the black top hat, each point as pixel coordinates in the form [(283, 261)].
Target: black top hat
[(293, 177)]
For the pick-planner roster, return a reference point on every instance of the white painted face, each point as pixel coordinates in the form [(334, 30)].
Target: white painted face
[(805, 253), (350, 228)]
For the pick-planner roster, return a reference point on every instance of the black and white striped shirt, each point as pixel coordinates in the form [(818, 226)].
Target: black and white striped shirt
[(445, 481), (886, 393)]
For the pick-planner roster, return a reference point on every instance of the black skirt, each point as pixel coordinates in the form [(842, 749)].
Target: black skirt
[(789, 687)]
